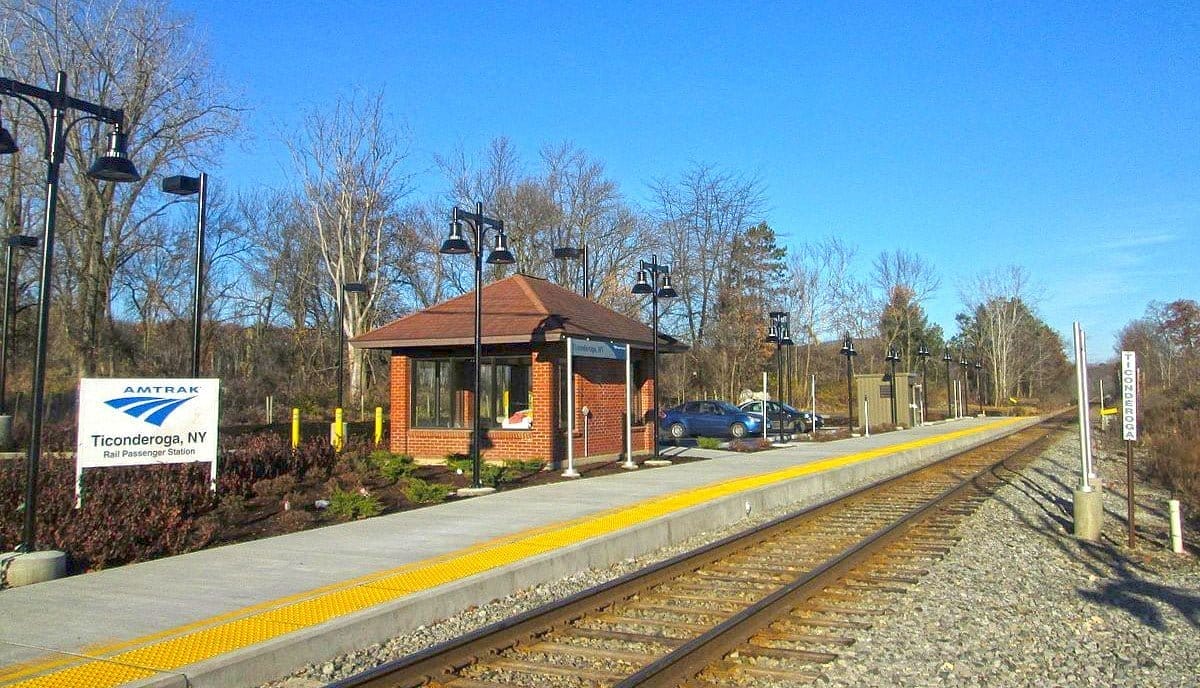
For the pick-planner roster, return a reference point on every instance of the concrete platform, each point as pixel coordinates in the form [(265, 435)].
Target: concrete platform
[(242, 614)]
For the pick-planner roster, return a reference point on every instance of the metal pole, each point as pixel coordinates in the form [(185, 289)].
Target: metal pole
[(1129, 490), (571, 472), (8, 259), (341, 315), (1081, 392), (894, 386), (949, 398), (924, 386), (583, 255), (850, 389), (654, 320), (53, 163), (628, 408), (477, 224), (198, 292), (779, 386)]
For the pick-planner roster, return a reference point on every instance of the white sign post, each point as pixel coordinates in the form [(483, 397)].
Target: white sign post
[(1129, 429), (138, 421)]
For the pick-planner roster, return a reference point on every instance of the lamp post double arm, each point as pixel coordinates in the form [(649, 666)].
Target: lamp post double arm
[(924, 354), (654, 278), (978, 386), (113, 166), (947, 358), (779, 334), (477, 224), (893, 355), (849, 352), (964, 369)]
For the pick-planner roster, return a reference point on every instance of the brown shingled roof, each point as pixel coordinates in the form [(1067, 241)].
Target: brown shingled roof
[(516, 309)]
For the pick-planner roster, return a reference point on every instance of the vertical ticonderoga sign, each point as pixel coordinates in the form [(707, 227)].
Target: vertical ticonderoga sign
[(1129, 395), (133, 421)]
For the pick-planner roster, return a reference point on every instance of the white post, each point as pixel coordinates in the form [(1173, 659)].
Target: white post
[(1176, 529), (570, 472), (1085, 444), (866, 418), (629, 464)]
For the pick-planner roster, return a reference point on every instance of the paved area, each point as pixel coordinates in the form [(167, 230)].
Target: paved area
[(163, 617)]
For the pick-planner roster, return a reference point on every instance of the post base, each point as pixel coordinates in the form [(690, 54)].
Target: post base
[(473, 491), (1089, 514), (35, 567)]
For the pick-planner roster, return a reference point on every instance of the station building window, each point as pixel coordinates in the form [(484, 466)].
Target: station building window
[(440, 390)]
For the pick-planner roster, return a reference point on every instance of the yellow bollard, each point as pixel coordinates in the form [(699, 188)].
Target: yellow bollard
[(295, 428), (337, 433), (378, 425)]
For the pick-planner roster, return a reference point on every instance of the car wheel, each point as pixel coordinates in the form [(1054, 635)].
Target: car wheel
[(737, 430), (800, 427), (677, 431)]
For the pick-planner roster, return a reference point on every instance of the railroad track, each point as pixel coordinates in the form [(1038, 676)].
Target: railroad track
[(764, 607)]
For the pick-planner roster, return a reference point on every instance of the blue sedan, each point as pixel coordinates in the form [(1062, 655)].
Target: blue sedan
[(710, 419)]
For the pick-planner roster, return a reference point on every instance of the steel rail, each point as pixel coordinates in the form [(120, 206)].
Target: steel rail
[(441, 664)]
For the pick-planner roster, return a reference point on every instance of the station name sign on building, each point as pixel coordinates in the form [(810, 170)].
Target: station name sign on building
[(138, 421), (592, 349)]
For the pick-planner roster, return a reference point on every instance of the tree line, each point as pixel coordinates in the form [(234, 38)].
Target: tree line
[(352, 212)]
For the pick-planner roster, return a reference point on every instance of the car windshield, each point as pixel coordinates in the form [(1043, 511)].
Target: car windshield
[(727, 407)]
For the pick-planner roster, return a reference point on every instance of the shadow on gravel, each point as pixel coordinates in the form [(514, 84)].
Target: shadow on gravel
[(1122, 585), (1132, 594)]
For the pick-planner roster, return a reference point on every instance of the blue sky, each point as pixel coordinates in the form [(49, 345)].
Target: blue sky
[(1061, 137)]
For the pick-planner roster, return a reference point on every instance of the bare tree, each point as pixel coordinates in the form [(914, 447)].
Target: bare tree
[(1000, 302), (904, 281), (349, 160), (700, 215), (135, 55)]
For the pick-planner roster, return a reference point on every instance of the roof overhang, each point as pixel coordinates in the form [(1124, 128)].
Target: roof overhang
[(671, 345)]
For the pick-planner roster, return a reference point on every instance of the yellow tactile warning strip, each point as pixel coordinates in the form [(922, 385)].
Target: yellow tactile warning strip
[(170, 651)]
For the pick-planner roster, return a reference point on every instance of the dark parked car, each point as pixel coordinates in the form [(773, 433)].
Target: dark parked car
[(794, 420), (710, 419)]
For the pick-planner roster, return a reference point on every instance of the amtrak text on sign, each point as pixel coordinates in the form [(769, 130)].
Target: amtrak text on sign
[(1129, 395), (133, 421)]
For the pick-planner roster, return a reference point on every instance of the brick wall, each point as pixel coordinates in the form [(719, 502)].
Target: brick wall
[(599, 385)]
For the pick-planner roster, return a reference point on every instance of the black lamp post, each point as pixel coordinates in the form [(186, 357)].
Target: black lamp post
[(351, 288), (923, 354), (455, 244), (849, 352), (778, 333), (892, 357), (963, 369), (113, 166), (186, 186), (580, 254), (949, 397), (13, 242), (978, 387), (655, 279)]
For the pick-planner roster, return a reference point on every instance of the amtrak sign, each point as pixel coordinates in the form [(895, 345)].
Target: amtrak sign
[(135, 421)]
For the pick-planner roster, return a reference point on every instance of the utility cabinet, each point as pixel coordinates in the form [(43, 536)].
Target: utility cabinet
[(873, 394)]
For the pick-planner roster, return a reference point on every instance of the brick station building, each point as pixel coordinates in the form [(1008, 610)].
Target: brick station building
[(527, 326)]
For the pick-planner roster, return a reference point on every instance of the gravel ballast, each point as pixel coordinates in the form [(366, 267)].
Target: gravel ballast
[(1018, 602)]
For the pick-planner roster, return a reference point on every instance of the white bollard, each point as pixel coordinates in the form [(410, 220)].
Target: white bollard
[(1176, 526)]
